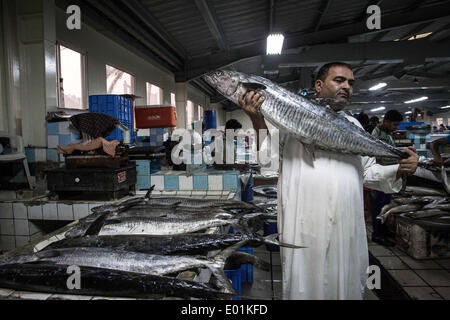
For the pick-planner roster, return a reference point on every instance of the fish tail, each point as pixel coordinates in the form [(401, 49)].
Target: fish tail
[(271, 239), (240, 258), (219, 263)]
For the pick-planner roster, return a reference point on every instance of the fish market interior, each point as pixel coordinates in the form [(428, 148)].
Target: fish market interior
[(235, 150)]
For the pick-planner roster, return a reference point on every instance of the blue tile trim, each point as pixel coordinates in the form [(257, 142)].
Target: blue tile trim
[(200, 182), (171, 183), (52, 128)]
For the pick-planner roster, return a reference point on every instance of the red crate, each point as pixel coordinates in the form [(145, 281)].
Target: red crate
[(156, 117)]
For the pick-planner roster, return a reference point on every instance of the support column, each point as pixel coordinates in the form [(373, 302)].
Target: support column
[(181, 100), (12, 67)]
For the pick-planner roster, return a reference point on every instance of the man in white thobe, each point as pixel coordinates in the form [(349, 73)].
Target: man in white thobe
[(320, 203)]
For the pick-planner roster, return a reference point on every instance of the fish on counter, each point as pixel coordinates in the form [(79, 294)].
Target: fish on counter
[(131, 261), (398, 209), (423, 191), (426, 213), (52, 278), (185, 244), (170, 226), (314, 123)]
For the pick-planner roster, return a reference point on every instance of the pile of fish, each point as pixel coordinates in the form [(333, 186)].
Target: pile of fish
[(418, 203), (138, 247)]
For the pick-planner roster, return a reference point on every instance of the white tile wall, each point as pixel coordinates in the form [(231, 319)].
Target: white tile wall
[(184, 193), (186, 183), (35, 212), (20, 211), (22, 241), (52, 142), (64, 127), (214, 193), (158, 181), (21, 228), (169, 193), (65, 212), (198, 194), (7, 195), (7, 243), (5, 292), (7, 227), (80, 211), (49, 211), (215, 183), (41, 155), (6, 211)]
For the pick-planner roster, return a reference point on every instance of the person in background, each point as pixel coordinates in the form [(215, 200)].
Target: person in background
[(434, 147), (364, 120), (384, 132), (373, 123), (441, 128)]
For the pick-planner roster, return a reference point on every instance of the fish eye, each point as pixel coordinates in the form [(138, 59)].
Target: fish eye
[(219, 73)]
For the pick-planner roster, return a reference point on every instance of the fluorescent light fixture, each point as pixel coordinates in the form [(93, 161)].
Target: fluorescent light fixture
[(446, 107), (408, 112), (417, 100), (378, 109), (378, 86), (275, 43)]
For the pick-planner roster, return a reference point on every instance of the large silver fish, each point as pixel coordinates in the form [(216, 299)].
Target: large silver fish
[(314, 124), (131, 261)]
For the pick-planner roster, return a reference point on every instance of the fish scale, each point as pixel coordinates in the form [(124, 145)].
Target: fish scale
[(311, 123)]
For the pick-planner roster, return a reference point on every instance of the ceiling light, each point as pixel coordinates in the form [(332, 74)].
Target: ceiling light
[(417, 100), (275, 43), (408, 112), (378, 86), (446, 107), (378, 109)]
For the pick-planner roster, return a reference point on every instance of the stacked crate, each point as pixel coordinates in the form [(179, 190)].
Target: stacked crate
[(117, 107)]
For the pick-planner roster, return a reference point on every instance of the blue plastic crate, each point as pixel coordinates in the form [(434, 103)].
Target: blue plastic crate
[(236, 279), (271, 228), (247, 269), (117, 107)]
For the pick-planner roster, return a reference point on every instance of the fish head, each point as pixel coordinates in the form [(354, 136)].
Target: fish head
[(227, 83)]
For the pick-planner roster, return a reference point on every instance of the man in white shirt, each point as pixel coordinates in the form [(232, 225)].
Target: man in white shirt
[(320, 202)]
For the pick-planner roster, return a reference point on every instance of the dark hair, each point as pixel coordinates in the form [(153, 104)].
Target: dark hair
[(393, 115), (363, 119), (374, 119), (233, 124), (323, 72)]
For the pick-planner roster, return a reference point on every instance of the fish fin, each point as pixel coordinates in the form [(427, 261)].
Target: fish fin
[(218, 264), (95, 227), (223, 280), (48, 254), (237, 259), (272, 239), (310, 150), (147, 195)]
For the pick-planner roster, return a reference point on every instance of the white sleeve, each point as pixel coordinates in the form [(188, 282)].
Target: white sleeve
[(381, 178), (269, 154)]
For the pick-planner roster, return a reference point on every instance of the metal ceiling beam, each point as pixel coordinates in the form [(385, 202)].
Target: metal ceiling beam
[(132, 27), (151, 22), (100, 23), (418, 52), (200, 65), (400, 98), (322, 15), (214, 26), (400, 85)]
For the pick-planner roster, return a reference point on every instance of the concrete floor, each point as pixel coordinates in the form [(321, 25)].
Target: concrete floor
[(261, 288)]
